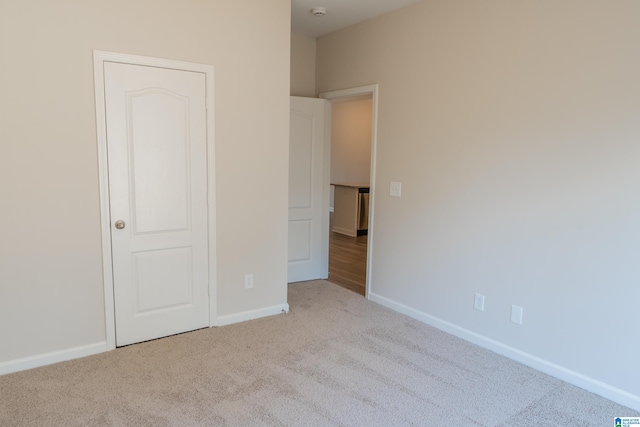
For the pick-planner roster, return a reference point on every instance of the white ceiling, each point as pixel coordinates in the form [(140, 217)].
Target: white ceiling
[(340, 14)]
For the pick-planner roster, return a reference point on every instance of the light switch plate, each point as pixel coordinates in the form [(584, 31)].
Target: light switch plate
[(395, 189)]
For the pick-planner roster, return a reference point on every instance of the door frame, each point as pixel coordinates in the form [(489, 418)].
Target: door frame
[(353, 93), (99, 58)]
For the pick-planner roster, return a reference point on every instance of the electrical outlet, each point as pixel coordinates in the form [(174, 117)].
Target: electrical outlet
[(478, 303), (248, 281), (516, 314), (395, 189)]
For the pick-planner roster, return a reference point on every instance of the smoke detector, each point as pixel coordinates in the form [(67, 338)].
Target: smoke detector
[(318, 11)]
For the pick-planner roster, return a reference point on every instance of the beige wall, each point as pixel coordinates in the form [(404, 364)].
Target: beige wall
[(303, 65), (51, 290), (514, 128), (351, 140)]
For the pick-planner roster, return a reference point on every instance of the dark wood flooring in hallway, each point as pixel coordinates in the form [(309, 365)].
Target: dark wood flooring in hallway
[(348, 261)]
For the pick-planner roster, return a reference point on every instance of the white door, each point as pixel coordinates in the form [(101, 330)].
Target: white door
[(157, 163), (309, 156)]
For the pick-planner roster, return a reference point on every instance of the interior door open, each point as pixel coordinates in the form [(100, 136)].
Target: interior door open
[(309, 157), (156, 131)]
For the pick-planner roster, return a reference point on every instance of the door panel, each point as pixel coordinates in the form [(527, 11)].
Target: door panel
[(309, 148), (300, 241), (156, 142), (162, 266), (301, 167), (160, 146)]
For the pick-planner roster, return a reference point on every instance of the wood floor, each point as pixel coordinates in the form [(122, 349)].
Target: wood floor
[(348, 261)]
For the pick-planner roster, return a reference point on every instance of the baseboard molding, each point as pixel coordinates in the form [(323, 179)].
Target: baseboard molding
[(345, 231), (251, 315), (50, 358), (579, 380)]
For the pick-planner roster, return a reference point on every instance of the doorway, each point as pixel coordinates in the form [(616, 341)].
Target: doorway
[(351, 230)]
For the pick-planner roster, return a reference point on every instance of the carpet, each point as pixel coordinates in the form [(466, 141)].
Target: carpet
[(335, 359)]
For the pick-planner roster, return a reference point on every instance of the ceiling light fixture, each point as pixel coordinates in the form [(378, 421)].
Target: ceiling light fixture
[(318, 11)]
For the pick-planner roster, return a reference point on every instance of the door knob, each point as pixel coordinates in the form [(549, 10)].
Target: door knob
[(120, 224)]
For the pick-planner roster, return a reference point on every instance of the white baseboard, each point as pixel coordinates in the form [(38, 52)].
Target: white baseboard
[(251, 315), (579, 380), (52, 357)]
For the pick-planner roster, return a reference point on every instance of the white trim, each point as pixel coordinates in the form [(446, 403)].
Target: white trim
[(575, 378), (105, 225), (211, 196), (99, 58), (52, 357), (251, 314), (326, 191), (350, 93)]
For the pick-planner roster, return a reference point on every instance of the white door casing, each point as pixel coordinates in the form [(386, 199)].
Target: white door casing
[(369, 90), (309, 157), (158, 143)]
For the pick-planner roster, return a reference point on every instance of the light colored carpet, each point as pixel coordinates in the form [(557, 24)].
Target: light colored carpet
[(335, 360)]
